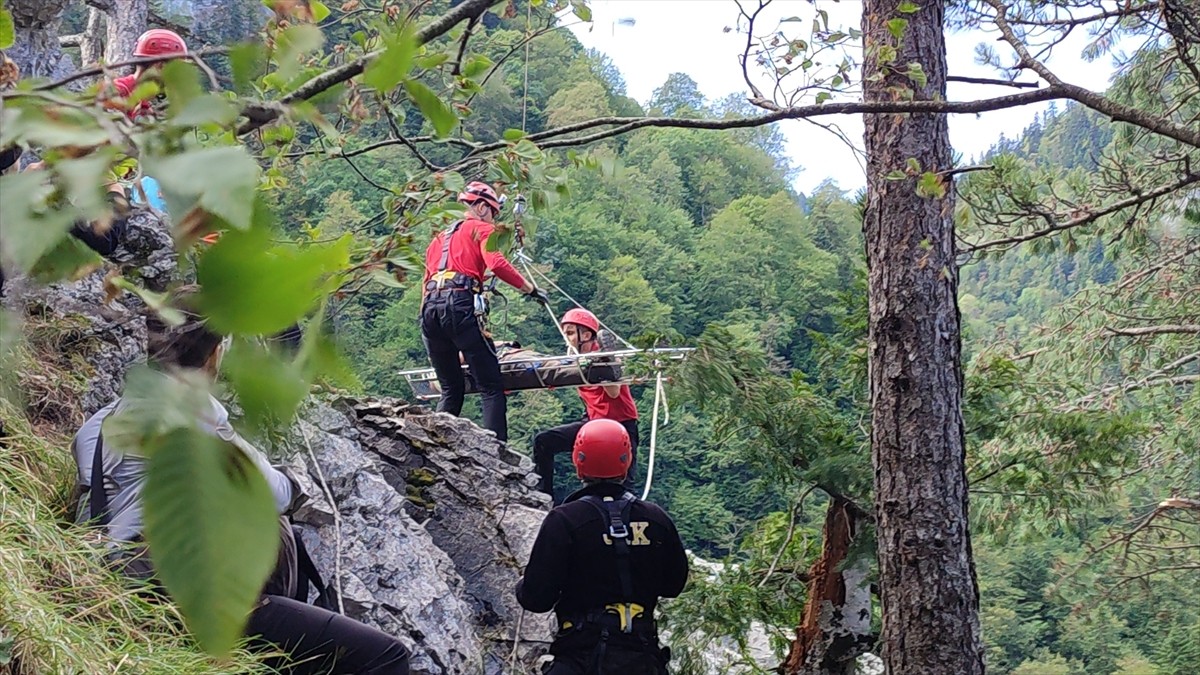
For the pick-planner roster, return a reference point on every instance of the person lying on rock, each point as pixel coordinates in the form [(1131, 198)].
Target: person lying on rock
[(601, 561), (606, 401), (317, 640)]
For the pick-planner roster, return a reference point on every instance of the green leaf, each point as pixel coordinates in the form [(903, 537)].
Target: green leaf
[(292, 44), (7, 31), (213, 532), (221, 180), (29, 230), (246, 60), (319, 11), (525, 148), (514, 134), (251, 287), (931, 185), (181, 82), (896, 175), (431, 61), (435, 109), (501, 239), (581, 10), (823, 96), (159, 303), (476, 66), (392, 66), (913, 164), (385, 278), (897, 26), (69, 259), (204, 110), (916, 73), (453, 181), (268, 386), (887, 54), (908, 7), (67, 126)]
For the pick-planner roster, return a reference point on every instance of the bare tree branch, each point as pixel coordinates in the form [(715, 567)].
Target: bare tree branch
[(139, 61), (261, 113), (1139, 331), (987, 80), (1098, 102), (1092, 216)]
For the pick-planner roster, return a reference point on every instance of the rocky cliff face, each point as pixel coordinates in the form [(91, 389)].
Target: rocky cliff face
[(423, 520), (434, 522)]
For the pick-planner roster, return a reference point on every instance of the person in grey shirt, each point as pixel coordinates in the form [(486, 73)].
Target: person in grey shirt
[(312, 639), (124, 471)]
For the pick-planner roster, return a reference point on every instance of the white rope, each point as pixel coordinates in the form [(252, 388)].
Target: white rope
[(337, 522), (517, 640), (659, 395), (553, 319), (526, 260)]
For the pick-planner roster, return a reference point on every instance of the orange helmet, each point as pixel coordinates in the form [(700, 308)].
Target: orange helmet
[(477, 191), (602, 450), (159, 42), (583, 318)]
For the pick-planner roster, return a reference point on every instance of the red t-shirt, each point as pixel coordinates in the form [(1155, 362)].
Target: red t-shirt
[(600, 406), (125, 86), (469, 254)]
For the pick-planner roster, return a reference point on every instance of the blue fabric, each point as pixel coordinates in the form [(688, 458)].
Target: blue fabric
[(153, 194)]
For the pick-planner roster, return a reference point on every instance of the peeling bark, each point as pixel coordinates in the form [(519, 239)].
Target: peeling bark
[(836, 626)]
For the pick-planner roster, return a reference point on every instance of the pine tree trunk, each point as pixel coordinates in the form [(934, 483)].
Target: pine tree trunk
[(91, 43), (36, 50), (836, 627), (929, 594), (125, 22)]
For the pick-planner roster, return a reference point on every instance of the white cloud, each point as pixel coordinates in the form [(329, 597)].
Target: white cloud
[(688, 36)]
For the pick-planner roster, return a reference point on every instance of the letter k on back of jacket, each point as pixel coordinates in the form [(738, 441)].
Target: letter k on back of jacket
[(601, 561)]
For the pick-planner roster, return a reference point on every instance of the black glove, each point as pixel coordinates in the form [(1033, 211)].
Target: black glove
[(539, 295)]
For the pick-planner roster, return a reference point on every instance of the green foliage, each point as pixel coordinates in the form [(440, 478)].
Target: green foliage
[(253, 287), (216, 564)]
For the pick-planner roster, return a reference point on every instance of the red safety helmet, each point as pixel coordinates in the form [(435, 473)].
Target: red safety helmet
[(602, 450), (159, 42), (582, 317), (477, 191)]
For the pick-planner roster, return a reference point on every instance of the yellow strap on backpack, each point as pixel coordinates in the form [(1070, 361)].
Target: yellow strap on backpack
[(627, 612)]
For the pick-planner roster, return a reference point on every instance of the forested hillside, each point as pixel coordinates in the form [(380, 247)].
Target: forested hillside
[(1024, 462)]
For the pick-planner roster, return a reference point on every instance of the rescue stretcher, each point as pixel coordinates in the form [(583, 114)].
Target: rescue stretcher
[(523, 369)]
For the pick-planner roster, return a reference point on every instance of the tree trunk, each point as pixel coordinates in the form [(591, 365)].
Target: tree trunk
[(125, 22), (91, 43), (929, 594), (35, 49), (836, 627)]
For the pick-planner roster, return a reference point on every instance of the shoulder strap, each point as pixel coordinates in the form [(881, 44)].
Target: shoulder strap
[(97, 495), (446, 252), (616, 513), (310, 574)]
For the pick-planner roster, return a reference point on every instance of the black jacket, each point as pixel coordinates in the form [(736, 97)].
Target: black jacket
[(573, 571)]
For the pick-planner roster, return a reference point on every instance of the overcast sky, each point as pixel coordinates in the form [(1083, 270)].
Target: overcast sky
[(688, 36)]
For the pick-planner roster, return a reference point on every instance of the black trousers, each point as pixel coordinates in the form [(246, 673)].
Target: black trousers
[(548, 443), (324, 642), (449, 326)]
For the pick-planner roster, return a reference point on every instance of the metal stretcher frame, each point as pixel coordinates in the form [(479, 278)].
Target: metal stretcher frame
[(547, 372)]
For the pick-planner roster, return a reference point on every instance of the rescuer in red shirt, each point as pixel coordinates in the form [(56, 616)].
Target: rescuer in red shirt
[(452, 309), (603, 402), (154, 42)]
